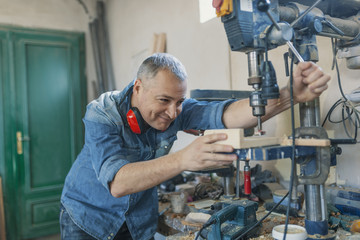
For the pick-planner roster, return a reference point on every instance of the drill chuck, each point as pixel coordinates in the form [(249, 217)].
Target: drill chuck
[(257, 103)]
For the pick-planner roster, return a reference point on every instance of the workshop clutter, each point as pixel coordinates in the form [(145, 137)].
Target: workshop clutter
[(178, 201), (189, 200), (294, 232), (347, 200), (343, 208)]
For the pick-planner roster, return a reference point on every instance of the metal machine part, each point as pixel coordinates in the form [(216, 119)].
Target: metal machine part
[(255, 27), (317, 22), (255, 58), (234, 219), (352, 55)]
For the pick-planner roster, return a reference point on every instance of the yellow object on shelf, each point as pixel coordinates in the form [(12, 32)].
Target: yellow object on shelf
[(225, 9), (355, 227)]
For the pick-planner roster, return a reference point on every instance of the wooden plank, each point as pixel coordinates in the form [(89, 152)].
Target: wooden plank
[(307, 142), (158, 43), (154, 44), (237, 140), (2, 214), (161, 43)]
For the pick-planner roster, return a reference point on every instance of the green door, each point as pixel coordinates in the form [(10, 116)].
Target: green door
[(49, 89)]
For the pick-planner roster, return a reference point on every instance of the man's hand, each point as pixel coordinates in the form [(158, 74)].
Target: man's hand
[(205, 153), (200, 154), (309, 82)]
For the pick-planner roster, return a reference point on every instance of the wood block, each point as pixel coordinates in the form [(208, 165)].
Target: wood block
[(197, 217), (307, 142), (237, 140)]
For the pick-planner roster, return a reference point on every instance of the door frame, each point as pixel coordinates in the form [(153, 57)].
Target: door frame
[(8, 116)]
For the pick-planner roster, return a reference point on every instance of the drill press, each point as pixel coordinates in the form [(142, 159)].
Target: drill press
[(255, 27)]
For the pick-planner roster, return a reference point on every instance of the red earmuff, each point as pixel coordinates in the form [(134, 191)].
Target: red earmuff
[(135, 121)]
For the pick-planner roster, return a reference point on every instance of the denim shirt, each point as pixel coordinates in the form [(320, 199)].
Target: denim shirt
[(109, 145)]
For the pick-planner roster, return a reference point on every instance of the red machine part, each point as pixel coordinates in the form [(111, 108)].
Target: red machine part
[(247, 178)]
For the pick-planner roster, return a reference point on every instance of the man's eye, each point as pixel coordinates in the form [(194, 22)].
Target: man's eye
[(164, 100)]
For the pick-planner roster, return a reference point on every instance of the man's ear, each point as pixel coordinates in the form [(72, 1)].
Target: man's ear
[(137, 85)]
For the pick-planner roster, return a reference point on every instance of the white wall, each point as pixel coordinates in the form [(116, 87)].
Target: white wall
[(53, 14), (204, 51), (200, 47)]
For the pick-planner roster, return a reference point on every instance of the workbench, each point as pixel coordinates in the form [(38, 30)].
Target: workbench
[(172, 225)]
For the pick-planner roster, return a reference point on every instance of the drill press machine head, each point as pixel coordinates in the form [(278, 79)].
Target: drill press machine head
[(257, 26), (250, 30)]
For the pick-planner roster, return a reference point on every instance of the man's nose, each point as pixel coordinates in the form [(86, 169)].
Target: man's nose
[(172, 111)]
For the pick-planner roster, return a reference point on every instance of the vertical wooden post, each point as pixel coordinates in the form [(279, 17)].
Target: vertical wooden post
[(2, 214)]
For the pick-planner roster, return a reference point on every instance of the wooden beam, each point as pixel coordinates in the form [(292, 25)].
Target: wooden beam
[(307, 142), (158, 43)]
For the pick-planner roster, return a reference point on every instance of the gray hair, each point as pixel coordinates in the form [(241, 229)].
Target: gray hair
[(161, 61)]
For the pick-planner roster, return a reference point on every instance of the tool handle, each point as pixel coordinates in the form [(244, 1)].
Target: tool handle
[(247, 182)]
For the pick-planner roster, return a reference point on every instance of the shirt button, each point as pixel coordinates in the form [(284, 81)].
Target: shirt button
[(111, 234), (109, 237), (126, 213), (166, 146)]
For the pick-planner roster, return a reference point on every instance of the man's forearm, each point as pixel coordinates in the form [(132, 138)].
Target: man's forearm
[(239, 113), (139, 176)]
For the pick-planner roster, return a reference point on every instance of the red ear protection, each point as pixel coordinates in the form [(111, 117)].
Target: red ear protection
[(135, 121)]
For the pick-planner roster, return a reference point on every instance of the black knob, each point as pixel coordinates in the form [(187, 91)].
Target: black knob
[(263, 5), (338, 151)]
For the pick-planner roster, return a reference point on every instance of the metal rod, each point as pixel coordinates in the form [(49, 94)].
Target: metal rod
[(334, 35), (304, 13), (237, 180), (314, 211), (294, 193), (323, 202), (259, 123), (293, 49), (273, 21)]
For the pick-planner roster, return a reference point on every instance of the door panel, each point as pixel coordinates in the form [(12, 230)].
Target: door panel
[(43, 86), (49, 89), (49, 115)]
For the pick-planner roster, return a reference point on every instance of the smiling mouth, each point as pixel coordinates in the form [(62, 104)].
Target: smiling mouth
[(165, 119)]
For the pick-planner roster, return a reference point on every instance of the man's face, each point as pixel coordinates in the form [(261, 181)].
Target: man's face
[(159, 99)]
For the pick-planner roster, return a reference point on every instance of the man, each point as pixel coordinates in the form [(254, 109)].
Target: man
[(110, 191)]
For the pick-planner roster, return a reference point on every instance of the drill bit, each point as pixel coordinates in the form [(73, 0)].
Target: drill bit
[(259, 124), (259, 131)]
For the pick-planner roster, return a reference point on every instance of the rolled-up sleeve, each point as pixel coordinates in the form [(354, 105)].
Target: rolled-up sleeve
[(107, 155), (203, 114)]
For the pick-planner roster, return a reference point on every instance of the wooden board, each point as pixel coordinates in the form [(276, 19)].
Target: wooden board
[(159, 43), (237, 140), (2, 214), (307, 142)]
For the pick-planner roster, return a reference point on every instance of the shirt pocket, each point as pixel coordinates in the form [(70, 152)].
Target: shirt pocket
[(164, 146)]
